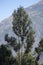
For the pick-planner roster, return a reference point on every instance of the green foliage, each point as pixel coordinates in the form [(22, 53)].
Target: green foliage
[(41, 43), (25, 59), (42, 64), (22, 27), (6, 57), (20, 22), (40, 48), (29, 40)]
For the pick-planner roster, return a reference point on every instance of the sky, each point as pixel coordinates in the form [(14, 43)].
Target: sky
[(8, 6)]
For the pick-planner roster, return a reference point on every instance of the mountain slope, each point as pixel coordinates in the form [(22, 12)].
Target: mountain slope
[(36, 15)]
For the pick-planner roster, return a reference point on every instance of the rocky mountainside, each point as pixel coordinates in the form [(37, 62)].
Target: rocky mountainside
[(36, 15)]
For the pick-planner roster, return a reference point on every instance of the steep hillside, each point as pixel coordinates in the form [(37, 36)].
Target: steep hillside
[(36, 15)]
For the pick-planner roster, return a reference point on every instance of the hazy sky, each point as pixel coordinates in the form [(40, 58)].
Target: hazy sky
[(8, 6)]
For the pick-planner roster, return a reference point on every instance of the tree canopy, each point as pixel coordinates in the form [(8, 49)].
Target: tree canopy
[(22, 27)]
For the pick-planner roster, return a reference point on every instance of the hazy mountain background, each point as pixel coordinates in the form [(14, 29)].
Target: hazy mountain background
[(36, 14)]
